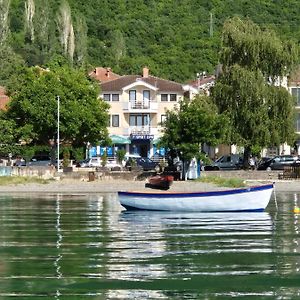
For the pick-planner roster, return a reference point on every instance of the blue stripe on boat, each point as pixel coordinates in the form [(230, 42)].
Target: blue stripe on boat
[(198, 194), (132, 208)]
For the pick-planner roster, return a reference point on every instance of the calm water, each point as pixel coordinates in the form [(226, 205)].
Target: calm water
[(84, 247)]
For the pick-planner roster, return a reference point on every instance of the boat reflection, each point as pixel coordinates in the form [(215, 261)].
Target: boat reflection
[(210, 219)]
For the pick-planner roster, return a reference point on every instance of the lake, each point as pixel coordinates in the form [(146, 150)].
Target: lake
[(86, 247)]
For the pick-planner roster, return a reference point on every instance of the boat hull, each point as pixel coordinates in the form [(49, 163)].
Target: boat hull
[(246, 199), (162, 182)]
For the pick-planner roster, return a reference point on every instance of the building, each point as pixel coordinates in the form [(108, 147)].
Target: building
[(203, 83), (4, 99), (294, 89), (138, 105), (103, 74)]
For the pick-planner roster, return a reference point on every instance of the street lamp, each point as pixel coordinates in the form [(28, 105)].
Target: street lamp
[(58, 99)]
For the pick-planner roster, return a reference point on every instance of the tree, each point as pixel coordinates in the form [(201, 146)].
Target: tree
[(11, 65), (81, 41), (83, 117), (191, 124), (248, 91), (4, 28), (29, 14), (118, 46), (65, 28)]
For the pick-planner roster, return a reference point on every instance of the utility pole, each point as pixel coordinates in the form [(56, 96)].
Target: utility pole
[(58, 103)]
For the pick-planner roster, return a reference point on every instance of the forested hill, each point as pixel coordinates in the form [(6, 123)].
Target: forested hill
[(174, 38)]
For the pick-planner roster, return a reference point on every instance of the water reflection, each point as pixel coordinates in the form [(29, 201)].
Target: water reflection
[(58, 243), (86, 246)]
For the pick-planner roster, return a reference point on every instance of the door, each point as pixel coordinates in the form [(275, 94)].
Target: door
[(143, 150)]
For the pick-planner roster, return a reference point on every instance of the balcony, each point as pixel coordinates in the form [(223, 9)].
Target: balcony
[(141, 130), (140, 106)]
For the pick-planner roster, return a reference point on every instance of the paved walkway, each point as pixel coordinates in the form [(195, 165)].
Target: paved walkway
[(110, 186)]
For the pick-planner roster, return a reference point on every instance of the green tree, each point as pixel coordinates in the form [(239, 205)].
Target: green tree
[(83, 117), (4, 21), (118, 46), (191, 124), (11, 65), (254, 64), (7, 131)]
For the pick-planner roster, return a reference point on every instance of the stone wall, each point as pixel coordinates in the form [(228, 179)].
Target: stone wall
[(91, 173)]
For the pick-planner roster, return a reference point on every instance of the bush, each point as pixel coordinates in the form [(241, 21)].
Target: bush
[(120, 155), (104, 159)]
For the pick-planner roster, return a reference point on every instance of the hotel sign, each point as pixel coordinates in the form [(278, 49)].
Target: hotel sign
[(141, 136)]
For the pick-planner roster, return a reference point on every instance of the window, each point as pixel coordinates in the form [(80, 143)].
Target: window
[(115, 97), (132, 95), (139, 120), (146, 95), (296, 95), (173, 97), (163, 118), (298, 122), (106, 97), (115, 120), (164, 97)]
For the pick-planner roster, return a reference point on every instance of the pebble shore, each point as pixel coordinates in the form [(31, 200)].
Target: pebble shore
[(112, 186)]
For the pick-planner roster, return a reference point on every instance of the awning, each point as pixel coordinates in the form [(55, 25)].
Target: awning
[(119, 139)]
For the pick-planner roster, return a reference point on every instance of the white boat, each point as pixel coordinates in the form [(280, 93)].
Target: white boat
[(255, 198)]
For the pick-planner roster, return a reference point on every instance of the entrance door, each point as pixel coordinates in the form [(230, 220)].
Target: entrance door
[(143, 151)]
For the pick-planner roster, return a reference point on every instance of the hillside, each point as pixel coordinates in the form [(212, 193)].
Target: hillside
[(174, 38)]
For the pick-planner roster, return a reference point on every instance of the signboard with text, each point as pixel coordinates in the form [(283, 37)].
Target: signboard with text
[(141, 136)]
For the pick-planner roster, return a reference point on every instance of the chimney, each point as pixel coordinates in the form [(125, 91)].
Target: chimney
[(97, 71), (145, 72), (108, 72)]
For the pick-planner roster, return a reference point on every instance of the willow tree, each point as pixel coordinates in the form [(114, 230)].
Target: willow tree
[(249, 90), (29, 15), (81, 33), (66, 30), (191, 124), (4, 21)]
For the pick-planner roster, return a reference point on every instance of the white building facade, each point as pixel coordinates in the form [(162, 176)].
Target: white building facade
[(138, 104)]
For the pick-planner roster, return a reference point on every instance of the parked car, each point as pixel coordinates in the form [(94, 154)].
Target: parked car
[(40, 160), (89, 162), (19, 162), (128, 157), (145, 163), (278, 162), (112, 165), (264, 163), (226, 162), (97, 162), (83, 163)]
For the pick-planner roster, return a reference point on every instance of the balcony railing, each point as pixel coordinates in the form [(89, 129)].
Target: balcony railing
[(140, 105), (141, 130)]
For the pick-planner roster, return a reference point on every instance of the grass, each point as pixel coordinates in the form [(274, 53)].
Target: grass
[(13, 180), (224, 182)]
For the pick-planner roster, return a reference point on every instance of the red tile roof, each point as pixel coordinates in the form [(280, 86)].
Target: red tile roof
[(161, 84), (203, 81), (4, 99), (103, 74)]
